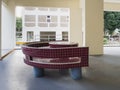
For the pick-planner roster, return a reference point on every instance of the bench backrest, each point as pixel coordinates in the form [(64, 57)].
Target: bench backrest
[(56, 52), (66, 52)]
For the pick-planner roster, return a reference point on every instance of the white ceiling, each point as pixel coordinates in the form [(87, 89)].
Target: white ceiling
[(112, 1)]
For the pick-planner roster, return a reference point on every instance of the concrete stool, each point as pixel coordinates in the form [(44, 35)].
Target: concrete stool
[(76, 73), (38, 72)]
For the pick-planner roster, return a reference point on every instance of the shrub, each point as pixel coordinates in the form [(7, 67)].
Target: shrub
[(105, 40)]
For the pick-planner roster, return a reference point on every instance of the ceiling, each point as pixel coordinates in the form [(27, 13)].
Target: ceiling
[(112, 1)]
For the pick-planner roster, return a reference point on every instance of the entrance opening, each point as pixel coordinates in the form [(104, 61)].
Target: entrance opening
[(65, 36), (18, 12), (111, 28), (42, 24), (47, 36)]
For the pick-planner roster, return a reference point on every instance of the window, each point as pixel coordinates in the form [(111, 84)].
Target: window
[(30, 20), (65, 36), (30, 36), (47, 21), (64, 21), (47, 36)]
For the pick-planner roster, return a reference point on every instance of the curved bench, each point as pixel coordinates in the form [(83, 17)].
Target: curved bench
[(41, 56)]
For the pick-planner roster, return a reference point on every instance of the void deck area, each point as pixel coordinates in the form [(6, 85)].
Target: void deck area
[(86, 28), (102, 74)]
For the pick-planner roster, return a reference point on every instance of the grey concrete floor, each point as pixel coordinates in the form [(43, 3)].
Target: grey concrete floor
[(103, 73)]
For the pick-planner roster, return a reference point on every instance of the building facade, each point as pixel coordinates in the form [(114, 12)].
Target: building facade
[(45, 24)]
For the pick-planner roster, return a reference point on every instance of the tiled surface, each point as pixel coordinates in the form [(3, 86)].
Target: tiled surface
[(102, 74), (81, 52)]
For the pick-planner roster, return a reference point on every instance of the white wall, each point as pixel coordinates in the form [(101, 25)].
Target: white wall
[(0, 26), (8, 28)]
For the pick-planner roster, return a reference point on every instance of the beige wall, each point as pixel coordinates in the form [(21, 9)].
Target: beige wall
[(48, 3), (76, 26), (111, 6), (5, 1), (94, 26)]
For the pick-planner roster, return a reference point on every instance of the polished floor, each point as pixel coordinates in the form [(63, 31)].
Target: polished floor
[(102, 74)]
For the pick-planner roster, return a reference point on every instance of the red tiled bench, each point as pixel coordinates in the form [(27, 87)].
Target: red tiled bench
[(40, 56)]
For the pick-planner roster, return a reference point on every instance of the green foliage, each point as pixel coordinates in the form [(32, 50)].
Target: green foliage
[(111, 21), (19, 24), (105, 40)]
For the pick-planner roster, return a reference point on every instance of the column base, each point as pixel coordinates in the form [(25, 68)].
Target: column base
[(38, 72), (76, 73)]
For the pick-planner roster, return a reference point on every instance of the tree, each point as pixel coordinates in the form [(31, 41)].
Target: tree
[(111, 21), (18, 24), (18, 27)]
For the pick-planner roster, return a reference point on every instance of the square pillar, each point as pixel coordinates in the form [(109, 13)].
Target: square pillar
[(75, 25), (8, 27), (93, 25), (0, 25)]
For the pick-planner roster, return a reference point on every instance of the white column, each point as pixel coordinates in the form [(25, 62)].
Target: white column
[(82, 5), (36, 35), (0, 25), (24, 34), (8, 27), (92, 25)]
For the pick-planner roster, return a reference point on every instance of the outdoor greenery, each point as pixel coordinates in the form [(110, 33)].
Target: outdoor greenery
[(18, 24), (18, 28), (105, 40), (111, 21)]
